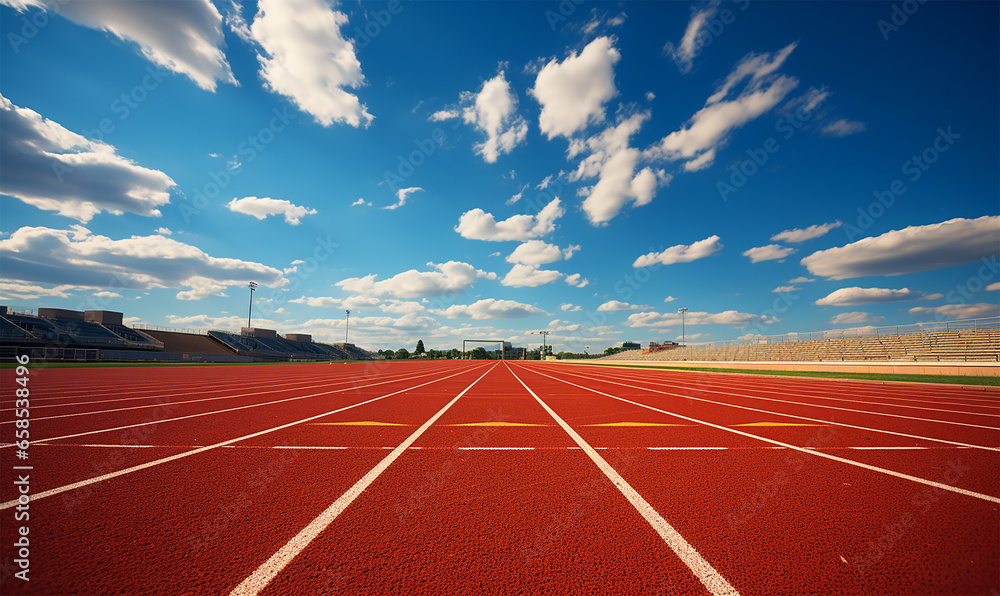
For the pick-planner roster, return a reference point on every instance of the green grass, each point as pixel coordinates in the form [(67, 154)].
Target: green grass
[(949, 379)]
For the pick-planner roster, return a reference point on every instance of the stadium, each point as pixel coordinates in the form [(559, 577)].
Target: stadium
[(312, 297)]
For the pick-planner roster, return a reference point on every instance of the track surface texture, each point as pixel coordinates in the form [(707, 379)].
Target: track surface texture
[(476, 477)]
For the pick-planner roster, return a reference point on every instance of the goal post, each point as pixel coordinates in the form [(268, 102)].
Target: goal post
[(500, 343)]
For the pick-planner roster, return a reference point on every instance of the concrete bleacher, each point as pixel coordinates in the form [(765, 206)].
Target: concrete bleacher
[(972, 342)]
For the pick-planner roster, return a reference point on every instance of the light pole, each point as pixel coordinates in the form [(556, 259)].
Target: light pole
[(347, 330), (682, 311), (544, 334), (252, 286)]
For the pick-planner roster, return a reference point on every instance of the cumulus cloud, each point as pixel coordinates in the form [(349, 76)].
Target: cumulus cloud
[(338, 303), (910, 250), (569, 307), (164, 231), (573, 92), (401, 196), (615, 305), (669, 299), (53, 169), (959, 311), (843, 128), (785, 289), (539, 252), (184, 37), (801, 280), (76, 257), (708, 129), (690, 45), (493, 111), (490, 309), (477, 224), (14, 290), (993, 287), (361, 202), (854, 318), (450, 278), (771, 252), (305, 58), (856, 296), (576, 280), (529, 276), (796, 235), (681, 253), (729, 317), (264, 206)]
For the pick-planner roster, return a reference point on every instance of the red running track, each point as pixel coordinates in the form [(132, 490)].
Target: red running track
[(484, 477)]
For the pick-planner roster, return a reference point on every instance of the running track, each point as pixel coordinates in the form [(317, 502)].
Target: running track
[(482, 477)]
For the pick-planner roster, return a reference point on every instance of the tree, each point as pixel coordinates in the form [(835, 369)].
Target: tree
[(420, 347), (454, 353), (479, 353), (401, 354)]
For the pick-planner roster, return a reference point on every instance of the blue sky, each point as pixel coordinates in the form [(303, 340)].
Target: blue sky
[(466, 170)]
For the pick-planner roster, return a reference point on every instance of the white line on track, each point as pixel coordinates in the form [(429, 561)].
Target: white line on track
[(702, 569), (262, 576), (109, 476), (917, 479), (496, 448), (773, 413), (266, 403)]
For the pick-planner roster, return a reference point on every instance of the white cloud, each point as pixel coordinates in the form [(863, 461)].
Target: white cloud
[(959, 311), (521, 276), (517, 196), (691, 43), (265, 206), (493, 111), (785, 289), (855, 296), (796, 235), (338, 303), (306, 59), (51, 168), (164, 231), (801, 280), (573, 92), (771, 252), (729, 317), (480, 225), (545, 182), (576, 280), (402, 307), (78, 258), (22, 291), (854, 318), (843, 128), (401, 196), (710, 126), (539, 252), (184, 37), (490, 309), (912, 249), (453, 277), (569, 307), (681, 253), (107, 294), (993, 287), (615, 305), (442, 115), (361, 201), (669, 299)]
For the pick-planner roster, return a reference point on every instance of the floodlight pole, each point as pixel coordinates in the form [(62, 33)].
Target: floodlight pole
[(544, 334), (252, 286), (682, 311), (347, 330)]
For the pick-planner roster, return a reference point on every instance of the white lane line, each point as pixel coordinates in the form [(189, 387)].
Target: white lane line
[(771, 412), (687, 448), (167, 404), (263, 575), (496, 448), (884, 448), (109, 476), (810, 405), (702, 569), (946, 487)]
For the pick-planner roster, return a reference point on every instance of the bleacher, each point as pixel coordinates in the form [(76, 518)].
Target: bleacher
[(975, 340)]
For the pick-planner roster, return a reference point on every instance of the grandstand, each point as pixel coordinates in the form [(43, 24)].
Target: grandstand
[(58, 334), (972, 340)]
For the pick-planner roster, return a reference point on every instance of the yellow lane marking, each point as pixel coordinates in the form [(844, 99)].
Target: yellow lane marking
[(496, 424), (635, 424), (776, 424), (359, 423)]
